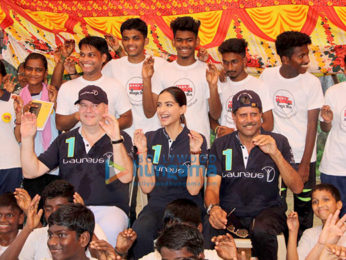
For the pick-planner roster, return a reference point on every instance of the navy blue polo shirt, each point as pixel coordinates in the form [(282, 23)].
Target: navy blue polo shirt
[(171, 161), (252, 188), (87, 171)]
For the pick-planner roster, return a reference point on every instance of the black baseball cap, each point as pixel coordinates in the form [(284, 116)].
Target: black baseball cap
[(93, 94), (246, 98)]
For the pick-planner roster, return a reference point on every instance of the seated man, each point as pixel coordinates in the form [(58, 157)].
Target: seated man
[(34, 244), (243, 177), (85, 159), (11, 217), (70, 231)]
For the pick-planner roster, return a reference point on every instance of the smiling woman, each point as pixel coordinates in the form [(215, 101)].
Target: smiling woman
[(169, 166)]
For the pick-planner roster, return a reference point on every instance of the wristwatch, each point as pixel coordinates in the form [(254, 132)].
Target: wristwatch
[(210, 207)]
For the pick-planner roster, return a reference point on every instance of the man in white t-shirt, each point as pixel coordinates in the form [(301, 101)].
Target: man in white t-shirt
[(128, 70), (93, 54), (333, 120), (297, 98), (234, 61), (197, 79)]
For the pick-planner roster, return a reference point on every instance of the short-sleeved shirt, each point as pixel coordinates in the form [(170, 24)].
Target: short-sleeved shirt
[(10, 152), (229, 88), (87, 171), (292, 99), (171, 161), (252, 188), (130, 76), (192, 80), (118, 102)]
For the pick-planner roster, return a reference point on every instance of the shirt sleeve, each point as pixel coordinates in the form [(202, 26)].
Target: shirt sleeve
[(267, 104), (215, 160), (286, 150), (107, 70), (29, 248), (63, 103), (128, 144), (315, 94), (305, 244), (50, 158)]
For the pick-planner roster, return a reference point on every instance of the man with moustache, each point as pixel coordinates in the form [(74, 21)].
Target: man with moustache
[(243, 180), (234, 61)]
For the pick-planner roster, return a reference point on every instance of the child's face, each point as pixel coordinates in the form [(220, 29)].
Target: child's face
[(64, 244), (10, 218), (323, 204)]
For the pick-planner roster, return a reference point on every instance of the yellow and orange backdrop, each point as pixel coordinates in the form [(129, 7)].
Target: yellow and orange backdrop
[(42, 25)]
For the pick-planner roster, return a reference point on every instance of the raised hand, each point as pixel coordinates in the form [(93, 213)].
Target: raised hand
[(212, 74), (104, 250), (52, 93), (327, 114), (9, 83), (196, 141), (70, 65), (33, 217), (18, 105), (28, 125), (266, 143), (140, 140), (293, 222), (225, 247), (78, 198), (203, 54), (333, 229), (148, 68), (23, 199), (68, 48), (111, 126), (125, 240), (29, 105), (332, 251), (112, 42)]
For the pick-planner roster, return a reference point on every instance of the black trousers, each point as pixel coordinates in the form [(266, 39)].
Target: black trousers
[(263, 230), (302, 201)]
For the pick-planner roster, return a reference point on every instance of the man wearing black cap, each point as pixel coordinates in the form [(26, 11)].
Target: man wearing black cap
[(85, 159), (243, 177)]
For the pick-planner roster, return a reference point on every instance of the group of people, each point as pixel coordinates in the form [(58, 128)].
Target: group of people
[(142, 118)]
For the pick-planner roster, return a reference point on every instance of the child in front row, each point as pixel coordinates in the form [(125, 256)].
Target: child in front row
[(326, 205)]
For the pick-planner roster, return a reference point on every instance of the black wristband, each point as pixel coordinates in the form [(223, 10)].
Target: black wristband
[(118, 141)]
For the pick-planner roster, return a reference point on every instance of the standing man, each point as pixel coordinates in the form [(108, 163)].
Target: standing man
[(93, 158), (234, 61), (134, 73), (92, 56), (297, 97), (197, 79), (243, 180)]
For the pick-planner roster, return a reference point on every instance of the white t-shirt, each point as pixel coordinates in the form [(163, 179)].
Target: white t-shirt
[(292, 98), (310, 238), (36, 248), (192, 80), (208, 254), (229, 88), (3, 248), (118, 102), (9, 148), (334, 155), (130, 76)]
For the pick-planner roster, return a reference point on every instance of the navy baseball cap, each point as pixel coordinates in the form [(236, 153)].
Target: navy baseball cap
[(93, 94), (246, 98)]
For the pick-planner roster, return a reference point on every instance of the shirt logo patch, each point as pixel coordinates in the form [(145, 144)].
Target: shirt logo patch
[(6, 117), (189, 89), (229, 110), (135, 90), (284, 104), (343, 119), (270, 171)]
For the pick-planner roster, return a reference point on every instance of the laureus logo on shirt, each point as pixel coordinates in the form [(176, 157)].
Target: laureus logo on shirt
[(189, 89), (284, 104), (135, 90)]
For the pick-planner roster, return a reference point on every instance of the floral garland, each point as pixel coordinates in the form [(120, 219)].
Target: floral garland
[(270, 54), (318, 55), (326, 27), (169, 57)]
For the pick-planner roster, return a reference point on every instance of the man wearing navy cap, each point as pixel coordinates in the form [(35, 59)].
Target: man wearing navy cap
[(93, 158), (243, 178)]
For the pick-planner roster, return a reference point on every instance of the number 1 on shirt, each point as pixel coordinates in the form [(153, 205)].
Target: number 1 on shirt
[(157, 149), (228, 159)]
